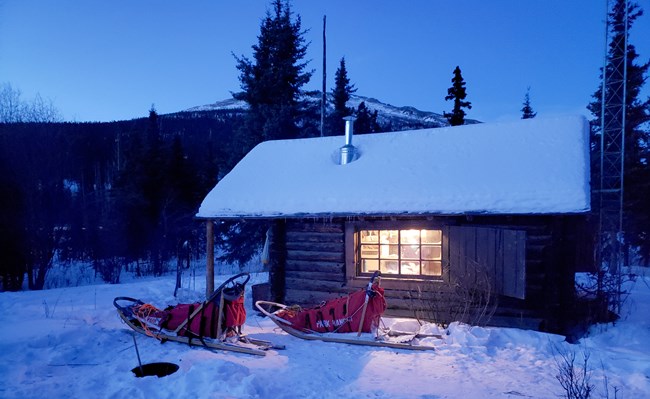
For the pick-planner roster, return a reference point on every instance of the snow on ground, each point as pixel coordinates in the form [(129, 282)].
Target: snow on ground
[(70, 343)]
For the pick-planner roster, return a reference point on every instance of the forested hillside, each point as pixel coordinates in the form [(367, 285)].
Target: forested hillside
[(109, 193)]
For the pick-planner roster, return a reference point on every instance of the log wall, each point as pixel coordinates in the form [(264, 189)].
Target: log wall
[(314, 270)]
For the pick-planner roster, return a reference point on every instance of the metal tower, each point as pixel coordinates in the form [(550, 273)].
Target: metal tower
[(612, 143)]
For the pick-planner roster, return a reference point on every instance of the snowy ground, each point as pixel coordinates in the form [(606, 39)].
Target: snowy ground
[(70, 343)]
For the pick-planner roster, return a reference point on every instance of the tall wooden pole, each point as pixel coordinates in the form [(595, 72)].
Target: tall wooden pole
[(324, 98), (209, 254)]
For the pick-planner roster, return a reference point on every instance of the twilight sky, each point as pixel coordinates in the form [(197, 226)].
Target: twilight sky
[(111, 60)]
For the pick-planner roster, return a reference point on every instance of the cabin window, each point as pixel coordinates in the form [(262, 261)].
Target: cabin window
[(400, 253)]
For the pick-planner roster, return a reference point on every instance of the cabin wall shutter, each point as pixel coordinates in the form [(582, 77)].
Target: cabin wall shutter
[(498, 255)]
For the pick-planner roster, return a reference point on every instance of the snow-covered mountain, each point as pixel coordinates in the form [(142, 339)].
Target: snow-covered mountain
[(400, 118)]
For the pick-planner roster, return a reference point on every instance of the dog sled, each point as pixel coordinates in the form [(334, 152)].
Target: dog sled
[(213, 324), (353, 319)]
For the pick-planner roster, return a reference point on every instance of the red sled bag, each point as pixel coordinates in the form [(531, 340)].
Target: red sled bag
[(205, 322), (342, 315)]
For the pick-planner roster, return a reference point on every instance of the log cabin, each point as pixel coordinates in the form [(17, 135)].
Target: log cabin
[(484, 223)]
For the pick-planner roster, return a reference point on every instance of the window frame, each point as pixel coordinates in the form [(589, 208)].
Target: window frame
[(355, 276)]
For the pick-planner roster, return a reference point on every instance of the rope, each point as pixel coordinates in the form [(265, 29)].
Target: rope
[(146, 315)]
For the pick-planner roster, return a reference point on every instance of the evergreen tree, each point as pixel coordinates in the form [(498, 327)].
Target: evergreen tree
[(366, 121), (457, 93), (527, 110), (341, 95), (271, 83), (636, 189), (141, 199), (182, 196), (13, 259)]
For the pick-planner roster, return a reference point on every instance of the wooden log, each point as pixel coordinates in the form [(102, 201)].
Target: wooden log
[(316, 255), (311, 246), (314, 285), (315, 266), (316, 226), (299, 236), (325, 276), (309, 298)]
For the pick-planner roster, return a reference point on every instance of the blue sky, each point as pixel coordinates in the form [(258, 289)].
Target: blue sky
[(111, 60)]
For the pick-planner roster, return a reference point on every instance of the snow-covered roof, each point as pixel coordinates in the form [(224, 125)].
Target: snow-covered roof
[(533, 166)]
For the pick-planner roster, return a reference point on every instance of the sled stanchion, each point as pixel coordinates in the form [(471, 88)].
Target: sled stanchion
[(363, 316), (365, 302)]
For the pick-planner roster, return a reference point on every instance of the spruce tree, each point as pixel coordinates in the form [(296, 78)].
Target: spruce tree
[(527, 110), (636, 184), (341, 95), (13, 216), (366, 121), (271, 82), (457, 93)]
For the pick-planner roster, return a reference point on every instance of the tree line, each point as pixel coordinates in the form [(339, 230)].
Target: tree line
[(106, 193)]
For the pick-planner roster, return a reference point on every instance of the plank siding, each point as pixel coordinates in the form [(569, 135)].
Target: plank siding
[(488, 257)]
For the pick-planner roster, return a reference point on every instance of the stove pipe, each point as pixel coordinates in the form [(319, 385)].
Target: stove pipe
[(348, 151)]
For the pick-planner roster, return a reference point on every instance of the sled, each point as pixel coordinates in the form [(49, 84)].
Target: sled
[(353, 319), (214, 324)]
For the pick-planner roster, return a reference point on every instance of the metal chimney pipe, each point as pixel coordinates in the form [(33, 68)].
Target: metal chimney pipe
[(348, 152), (349, 129)]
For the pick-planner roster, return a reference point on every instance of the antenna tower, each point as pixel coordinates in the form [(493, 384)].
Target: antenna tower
[(612, 144)]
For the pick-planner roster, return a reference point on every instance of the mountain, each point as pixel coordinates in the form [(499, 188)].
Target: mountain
[(399, 118)]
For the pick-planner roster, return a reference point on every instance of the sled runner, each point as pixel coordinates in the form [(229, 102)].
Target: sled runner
[(214, 324), (353, 319)]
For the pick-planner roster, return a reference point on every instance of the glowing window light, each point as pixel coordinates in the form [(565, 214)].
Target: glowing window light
[(408, 252)]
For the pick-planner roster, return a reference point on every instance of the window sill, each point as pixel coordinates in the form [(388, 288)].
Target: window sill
[(397, 283)]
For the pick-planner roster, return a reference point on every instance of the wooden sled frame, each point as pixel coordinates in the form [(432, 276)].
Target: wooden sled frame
[(270, 310), (244, 344)]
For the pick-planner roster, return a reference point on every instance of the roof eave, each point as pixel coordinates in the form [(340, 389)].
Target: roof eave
[(349, 215)]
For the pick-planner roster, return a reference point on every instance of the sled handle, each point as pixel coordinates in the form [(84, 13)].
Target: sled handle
[(126, 298), (225, 283)]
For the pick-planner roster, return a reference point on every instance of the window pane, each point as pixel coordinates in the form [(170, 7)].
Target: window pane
[(389, 251), (410, 252), (369, 265), (432, 268), (409, 236), (431, 236), (431, 252), (410, 267), (388, 236), (389, 266), (369, 251), (369, 236)]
